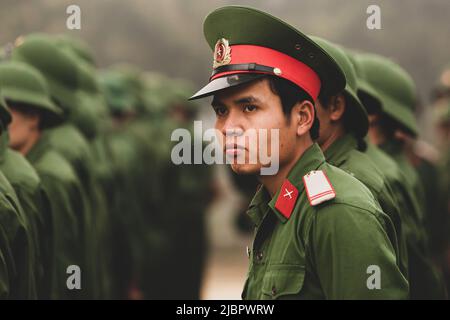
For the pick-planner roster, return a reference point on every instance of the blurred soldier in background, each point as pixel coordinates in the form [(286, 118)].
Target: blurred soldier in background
[(60, 72), (192, 186), (26, 182), (441, 122), (388, 93), (90, 116), (125, 208), (18, 266), (343, 125), (32, 113)]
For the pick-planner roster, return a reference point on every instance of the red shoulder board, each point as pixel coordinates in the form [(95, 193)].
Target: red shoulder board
[(286, 199), (318, 187)]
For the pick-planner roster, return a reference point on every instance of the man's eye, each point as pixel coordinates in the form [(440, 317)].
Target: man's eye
[(220, 111), (249, 108)]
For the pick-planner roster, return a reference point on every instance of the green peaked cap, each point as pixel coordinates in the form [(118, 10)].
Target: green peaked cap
[(236, 25)]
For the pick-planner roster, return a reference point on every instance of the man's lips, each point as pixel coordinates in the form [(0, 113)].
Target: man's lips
[(233, 149)]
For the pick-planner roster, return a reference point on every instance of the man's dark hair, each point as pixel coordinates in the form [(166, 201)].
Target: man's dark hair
[(349, 123), (388, 124), (290, 94), (371, 104), (30, 110)]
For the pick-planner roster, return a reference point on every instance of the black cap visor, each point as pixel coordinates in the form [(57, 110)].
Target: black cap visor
[(225, 82)]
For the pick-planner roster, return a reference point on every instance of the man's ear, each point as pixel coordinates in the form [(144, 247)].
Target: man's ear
[(336, 107), (302, 114)]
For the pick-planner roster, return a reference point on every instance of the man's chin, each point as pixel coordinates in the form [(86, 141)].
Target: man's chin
[(246, 169)]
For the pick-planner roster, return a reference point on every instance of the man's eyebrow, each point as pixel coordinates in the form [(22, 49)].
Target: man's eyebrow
[(249, 99), (243, 100)]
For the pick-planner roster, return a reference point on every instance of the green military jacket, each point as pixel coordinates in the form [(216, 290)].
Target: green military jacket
[(128, 230), (404, 195), (27, 184), (19, 228), (395, 150), (182, 221), (17, 278), (424, 279), (69, 142), (65, 195), (344, 154), (322, 251)]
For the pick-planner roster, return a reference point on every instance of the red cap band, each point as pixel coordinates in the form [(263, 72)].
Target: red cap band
[(291, 69)]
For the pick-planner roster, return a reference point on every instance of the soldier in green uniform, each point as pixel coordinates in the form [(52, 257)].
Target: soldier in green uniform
[(90, 117), (27, 184), (388, 93), (17, 247), (184, 221), (343, 125), (402, 192), (125, 164), (62, 75), (320, 234), (32, 113)]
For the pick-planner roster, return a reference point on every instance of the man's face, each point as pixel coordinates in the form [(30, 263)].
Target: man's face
[(252, 106), (21, 128)]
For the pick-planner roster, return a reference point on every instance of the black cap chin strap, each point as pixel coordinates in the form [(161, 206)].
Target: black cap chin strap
[(246, 67)]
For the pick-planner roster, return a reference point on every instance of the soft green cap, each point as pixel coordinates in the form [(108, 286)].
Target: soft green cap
[(58, 68), (394, 87), (20, 82), (358, 120)]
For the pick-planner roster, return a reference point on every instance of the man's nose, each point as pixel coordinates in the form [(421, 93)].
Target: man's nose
[(233, 126)]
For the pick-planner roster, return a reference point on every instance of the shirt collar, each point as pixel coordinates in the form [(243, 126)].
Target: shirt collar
[(338, 152), (39, 147), (311, 159)]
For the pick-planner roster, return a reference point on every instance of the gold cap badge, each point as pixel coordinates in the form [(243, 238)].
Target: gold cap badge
[(222, 53)]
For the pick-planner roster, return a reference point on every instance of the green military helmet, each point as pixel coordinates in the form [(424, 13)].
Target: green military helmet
[(22, 83), (135, 85), (396, 91), (119, 98), (89, 85), (358, 119), (91, 112), (364, 89), (58, 68), (76, 45), (249, 44)]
